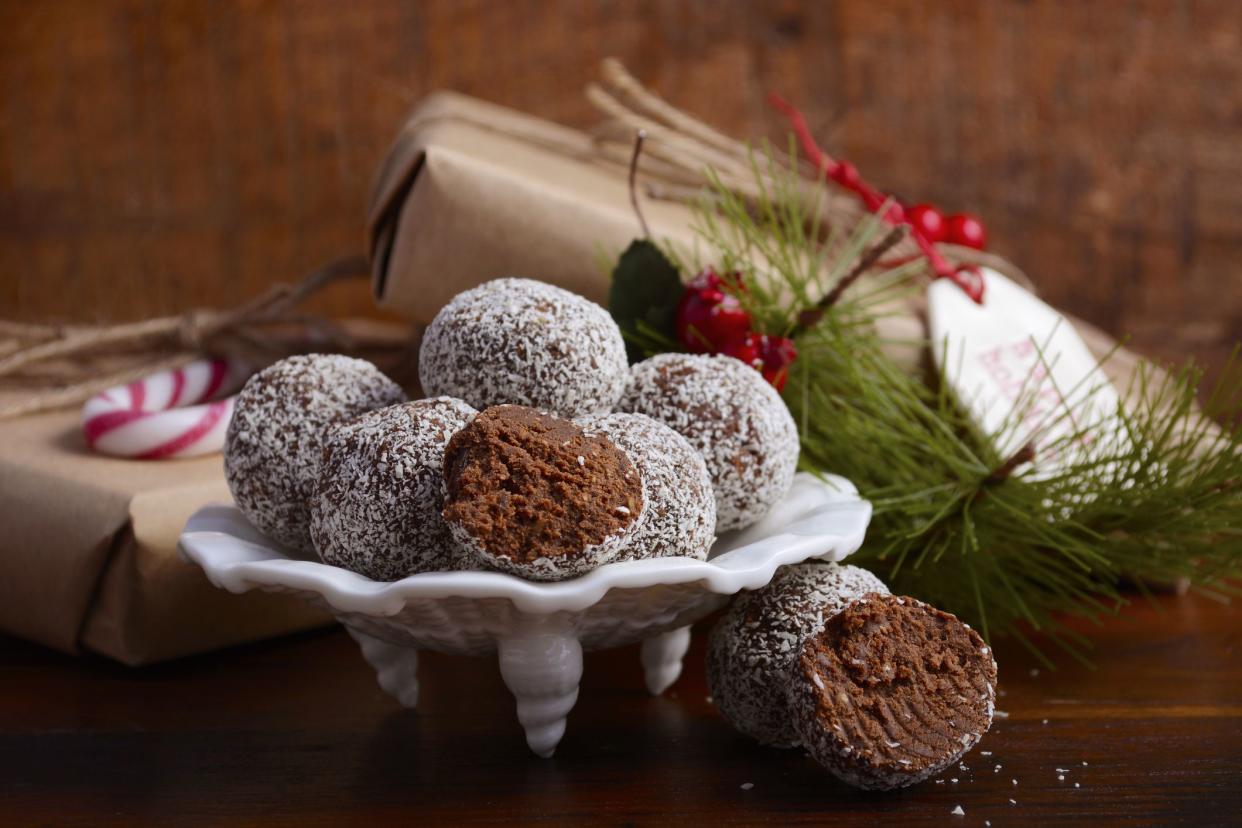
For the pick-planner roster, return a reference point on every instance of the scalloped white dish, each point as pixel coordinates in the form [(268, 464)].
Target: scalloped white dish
[(538, 630)]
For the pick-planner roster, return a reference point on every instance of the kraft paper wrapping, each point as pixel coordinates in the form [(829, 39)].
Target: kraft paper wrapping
[(88, 552), (472, 191)]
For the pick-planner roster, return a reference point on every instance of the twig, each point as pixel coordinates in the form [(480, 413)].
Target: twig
[(633, 96), (1005, 470), (189, 330), (102, 338), (639, 138), (693, 154), (811, 316), (648, 103), (171, 340), (689, 145), (22, 330), (82, 391)]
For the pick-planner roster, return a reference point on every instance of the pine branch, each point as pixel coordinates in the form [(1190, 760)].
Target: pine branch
[(808, 318), (1160, 504)]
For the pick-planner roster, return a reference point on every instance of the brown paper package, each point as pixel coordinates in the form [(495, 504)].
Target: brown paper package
[(88, 546), (472, 191)]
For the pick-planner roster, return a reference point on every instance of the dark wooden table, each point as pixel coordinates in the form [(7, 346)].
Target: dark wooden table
[(295, 731)]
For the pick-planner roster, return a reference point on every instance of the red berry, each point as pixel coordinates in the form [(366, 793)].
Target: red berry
[(745, 348), (707, 316), (778, 353), (928, 221), (770, 355), (966, 230)]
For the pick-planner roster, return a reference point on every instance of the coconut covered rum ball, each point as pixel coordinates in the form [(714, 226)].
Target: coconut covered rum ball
[(527, 343), (274, 444), (679, 507), (733, 418), (376, 508), (534, 495), (754, 647)]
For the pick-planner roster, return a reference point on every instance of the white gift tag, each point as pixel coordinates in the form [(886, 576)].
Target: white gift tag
[(1022, 372)]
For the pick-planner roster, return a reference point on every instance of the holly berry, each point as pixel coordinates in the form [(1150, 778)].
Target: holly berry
[(966, 230), (707, 316), (745, 348), (770, 355), (960, 229), (929, 221), (777, 353), (710, 320)]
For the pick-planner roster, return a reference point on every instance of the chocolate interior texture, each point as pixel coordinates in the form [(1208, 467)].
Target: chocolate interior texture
[(526, 485), (900, 687)]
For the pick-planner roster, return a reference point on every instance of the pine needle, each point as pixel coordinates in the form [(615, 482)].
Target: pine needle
[(1007, 555)]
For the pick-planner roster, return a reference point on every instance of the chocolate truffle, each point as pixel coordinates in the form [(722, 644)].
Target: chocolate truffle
[(754, 646), (735, 420), (679, 507), (533, 495), (274, 444), (528, 343), (892, 691), (376, 508)]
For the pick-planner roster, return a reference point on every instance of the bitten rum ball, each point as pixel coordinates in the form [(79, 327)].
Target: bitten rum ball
[(754, 647), (274, 444), (376, 509), (734, 419), (522, 342), (535, 496), (891, 691)]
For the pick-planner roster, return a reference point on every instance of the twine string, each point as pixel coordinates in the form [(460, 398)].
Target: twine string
[(166, 342)]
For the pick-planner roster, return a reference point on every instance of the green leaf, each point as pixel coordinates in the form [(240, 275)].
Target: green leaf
[(646, 288)]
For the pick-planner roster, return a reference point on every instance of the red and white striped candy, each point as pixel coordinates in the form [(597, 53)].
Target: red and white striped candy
[(166, 415)]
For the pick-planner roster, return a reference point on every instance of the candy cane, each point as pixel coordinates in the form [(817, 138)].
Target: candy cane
[(165, 415)]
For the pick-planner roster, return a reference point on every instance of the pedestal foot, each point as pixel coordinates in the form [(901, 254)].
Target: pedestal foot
[(662, 657), (542, 671), (396, 668)]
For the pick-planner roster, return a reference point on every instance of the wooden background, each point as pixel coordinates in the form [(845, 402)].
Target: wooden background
[(155, 156)]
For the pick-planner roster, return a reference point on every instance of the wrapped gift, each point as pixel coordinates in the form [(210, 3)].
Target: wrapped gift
[(89, 552), (472, 191)]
